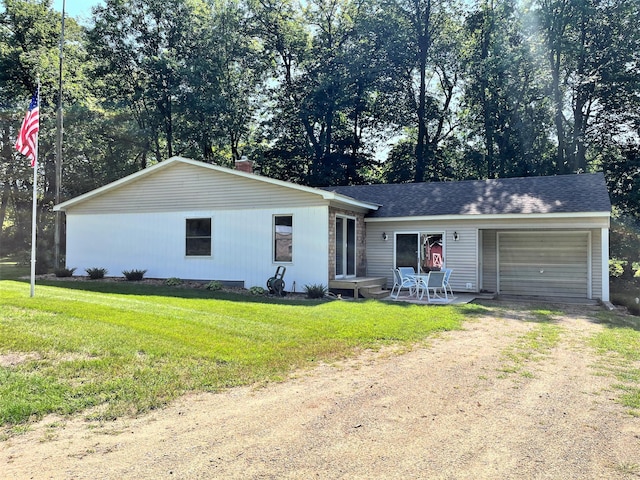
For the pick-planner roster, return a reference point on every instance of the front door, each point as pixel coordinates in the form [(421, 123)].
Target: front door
[(345, 247)]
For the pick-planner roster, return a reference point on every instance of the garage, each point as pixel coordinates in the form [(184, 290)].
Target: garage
[(551, 263)]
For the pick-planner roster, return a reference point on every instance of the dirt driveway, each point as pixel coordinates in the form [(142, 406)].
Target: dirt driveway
[(457, 407)]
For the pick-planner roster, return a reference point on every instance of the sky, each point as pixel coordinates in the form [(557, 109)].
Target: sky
[(79, 9)]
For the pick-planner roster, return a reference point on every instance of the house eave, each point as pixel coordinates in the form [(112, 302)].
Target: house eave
[(506, 216)]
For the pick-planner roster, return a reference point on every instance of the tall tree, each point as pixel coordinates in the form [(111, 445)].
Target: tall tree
[(326, 61), (588, 44), (144, 49), (504, 100), (29, 50), (431, 73)]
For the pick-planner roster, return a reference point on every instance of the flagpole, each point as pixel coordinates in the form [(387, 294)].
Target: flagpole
[(58, 220), (34, 212)]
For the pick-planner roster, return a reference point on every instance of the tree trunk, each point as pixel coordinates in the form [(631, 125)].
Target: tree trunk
[(4, 201), (422, 28)]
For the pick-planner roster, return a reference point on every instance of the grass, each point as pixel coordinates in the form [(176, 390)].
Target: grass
[(12, 270), (620, 346), (533, 346), (122, 349)]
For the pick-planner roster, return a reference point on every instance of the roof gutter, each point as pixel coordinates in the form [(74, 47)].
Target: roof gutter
[(501, 216)]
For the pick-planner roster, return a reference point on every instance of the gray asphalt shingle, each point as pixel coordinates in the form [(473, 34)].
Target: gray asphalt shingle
[(558, 194)]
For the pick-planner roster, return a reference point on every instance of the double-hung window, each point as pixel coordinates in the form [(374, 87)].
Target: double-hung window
[(198, 237)]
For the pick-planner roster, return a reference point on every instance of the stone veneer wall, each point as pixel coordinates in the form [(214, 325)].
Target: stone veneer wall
[(361, 254)]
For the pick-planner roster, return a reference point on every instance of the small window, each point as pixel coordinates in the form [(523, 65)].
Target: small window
[(198, 238), (283, 238)]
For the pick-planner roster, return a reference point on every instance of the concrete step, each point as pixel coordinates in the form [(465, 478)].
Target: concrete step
[(374, 291)]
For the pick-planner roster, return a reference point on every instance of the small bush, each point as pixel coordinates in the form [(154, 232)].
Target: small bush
[(616, 268), (64, 272), (316, 290), (173, 282), (96, 273), (134, 275), (257, 290), (214, 286)]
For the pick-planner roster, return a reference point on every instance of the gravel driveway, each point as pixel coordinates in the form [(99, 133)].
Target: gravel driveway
[(456, 407)]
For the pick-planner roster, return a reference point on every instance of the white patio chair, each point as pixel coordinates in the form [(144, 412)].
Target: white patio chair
[(403, 281), (435, 287), (447, 276)]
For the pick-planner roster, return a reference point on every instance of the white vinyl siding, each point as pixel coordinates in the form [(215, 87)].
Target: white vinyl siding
[(242, 245), (460, 255), (181, 186), (476, 247), (544, 263)]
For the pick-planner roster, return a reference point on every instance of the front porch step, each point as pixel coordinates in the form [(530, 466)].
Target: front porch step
[(375, 291), (358, 284)]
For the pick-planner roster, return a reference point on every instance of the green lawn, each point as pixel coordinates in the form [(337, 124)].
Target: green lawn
[(127, 348), (619, 345)]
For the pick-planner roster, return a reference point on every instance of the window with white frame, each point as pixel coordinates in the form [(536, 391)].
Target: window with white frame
[(283, 238)]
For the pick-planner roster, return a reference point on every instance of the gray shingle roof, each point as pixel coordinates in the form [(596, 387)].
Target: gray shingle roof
[(557, 194)]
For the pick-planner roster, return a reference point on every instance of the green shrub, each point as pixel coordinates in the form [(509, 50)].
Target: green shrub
[(173, 282), (316, 290), (134, 275), (214, 286), (96, 273), (616, 267), (64, 272), (257, 290)]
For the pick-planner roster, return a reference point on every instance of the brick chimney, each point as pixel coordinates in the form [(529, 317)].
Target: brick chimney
[(244, 165)]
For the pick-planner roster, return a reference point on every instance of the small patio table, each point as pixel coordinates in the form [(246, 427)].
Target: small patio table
[(421, 280)]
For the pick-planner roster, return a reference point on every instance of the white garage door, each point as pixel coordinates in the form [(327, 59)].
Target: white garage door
[(547, 264)]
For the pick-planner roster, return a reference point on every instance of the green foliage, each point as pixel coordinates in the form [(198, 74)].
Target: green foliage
[(173, 282), (624, 246), (96, 273), (316, 290), (258, 291), (622, 169), (510, 141), (214, 286), (134, 352), (64, 272), (626, 292), (621, 347), (616, 267), (134, 275)]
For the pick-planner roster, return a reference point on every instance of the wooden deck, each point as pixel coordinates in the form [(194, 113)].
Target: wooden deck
[(368, 287)]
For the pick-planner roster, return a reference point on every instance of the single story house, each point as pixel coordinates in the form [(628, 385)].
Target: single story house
[(187, 219)]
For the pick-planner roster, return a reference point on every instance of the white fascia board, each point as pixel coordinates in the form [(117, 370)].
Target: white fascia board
[(330, 196), (505, 216)]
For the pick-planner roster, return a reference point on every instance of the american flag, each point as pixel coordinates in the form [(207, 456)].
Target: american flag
[(28, 136)]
